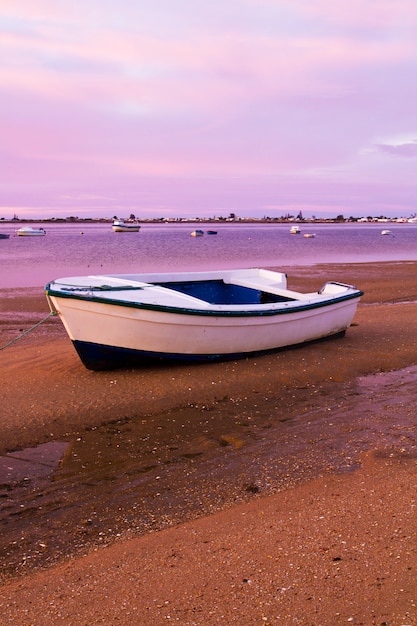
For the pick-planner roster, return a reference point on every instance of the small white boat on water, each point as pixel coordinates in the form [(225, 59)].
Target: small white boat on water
[(386, 232), (120, 226), (30, 231), (295, 230), (126, 319), (197, 233), (309, 235)]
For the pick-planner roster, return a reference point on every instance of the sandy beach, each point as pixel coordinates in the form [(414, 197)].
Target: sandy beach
[(282, 489)]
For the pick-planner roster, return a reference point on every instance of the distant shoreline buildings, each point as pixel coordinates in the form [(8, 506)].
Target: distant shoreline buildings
[(299, 219)]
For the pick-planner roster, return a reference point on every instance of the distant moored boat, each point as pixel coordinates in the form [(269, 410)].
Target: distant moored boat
[(119, 226), (30, 231)]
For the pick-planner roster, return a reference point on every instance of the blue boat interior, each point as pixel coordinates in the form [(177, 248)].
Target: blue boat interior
[(219, 292)]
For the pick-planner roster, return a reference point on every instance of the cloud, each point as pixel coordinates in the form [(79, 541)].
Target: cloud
[(406, 150)]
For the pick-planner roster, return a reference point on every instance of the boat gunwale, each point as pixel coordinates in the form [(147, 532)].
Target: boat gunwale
[(279, 309)]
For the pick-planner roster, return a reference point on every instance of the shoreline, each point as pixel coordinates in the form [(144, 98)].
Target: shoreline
[(47, 394)]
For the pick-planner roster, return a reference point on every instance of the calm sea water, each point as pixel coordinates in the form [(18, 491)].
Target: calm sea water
[(73, 249)]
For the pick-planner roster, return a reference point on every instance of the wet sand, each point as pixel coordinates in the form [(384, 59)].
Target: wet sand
[(236, 536)]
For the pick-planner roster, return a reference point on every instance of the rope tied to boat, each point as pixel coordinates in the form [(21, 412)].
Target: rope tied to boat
[(26, 332)]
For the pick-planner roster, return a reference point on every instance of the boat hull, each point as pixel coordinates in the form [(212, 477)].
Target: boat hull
[(98, 357), (126, 229), (110, 335), (30, 232)]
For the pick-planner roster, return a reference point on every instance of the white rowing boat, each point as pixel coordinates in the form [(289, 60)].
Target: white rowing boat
[(117, 320)]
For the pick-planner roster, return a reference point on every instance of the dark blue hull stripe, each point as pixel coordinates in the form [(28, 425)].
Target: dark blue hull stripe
[(101, 357)]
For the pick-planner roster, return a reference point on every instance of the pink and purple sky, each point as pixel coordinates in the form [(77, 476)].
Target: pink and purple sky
[(181, 108)]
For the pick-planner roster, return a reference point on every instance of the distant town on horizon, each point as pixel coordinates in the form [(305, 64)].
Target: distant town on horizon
[(232, 217)]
